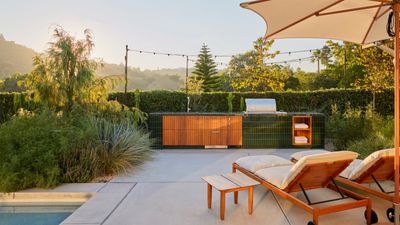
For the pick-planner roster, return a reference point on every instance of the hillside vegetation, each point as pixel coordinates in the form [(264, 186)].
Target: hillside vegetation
[(16, 58)]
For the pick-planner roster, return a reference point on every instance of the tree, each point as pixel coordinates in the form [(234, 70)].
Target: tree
[(250, 71), (65, 75), (321, 56), (378, 66), (205, 69)]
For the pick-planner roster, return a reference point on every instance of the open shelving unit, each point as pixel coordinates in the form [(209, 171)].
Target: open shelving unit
[(302, 130)]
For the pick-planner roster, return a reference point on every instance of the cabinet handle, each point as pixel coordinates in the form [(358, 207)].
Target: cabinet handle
[(215, 131)]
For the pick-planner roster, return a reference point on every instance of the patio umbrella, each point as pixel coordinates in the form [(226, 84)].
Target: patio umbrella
[(358, 21)]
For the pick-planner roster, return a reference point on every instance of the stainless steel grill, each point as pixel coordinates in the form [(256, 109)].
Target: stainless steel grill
[(261, 106)]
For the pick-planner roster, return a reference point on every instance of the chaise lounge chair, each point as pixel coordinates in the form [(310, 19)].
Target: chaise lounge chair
[(377, 167), (283, 177)]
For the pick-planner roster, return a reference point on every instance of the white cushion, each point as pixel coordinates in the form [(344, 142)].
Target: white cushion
[(329, 157), (298, 155), (347, 172), (254, 163), (274, 175), (369, 162), (301, 125)]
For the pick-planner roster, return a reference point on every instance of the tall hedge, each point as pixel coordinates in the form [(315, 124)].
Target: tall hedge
[(317, 101), (175, 101)]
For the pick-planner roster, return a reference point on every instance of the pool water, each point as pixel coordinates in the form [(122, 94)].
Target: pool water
[(35, 214)]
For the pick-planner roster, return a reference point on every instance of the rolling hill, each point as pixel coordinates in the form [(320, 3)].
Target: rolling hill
[(16, 58)]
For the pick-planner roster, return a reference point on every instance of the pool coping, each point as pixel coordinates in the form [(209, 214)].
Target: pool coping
[(40, 197)]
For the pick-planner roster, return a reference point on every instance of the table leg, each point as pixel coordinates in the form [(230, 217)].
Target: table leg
[(250, 190), (236, 196), (222, 206), (209, 195)]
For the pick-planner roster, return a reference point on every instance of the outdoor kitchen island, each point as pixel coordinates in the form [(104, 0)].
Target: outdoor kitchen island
[(245, 130)]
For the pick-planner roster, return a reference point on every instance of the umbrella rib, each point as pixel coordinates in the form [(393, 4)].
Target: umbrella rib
[(304, 18), (383, 13), (353, 9), (372, 23)]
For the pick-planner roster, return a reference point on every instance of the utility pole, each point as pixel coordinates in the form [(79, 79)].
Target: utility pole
[(126, 68), (345, 66), (187, 87)]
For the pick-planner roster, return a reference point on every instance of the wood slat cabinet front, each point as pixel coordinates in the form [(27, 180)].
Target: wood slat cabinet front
[(202, 130)]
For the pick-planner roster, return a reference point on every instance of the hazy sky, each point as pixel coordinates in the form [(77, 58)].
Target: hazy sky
[(180, 26)]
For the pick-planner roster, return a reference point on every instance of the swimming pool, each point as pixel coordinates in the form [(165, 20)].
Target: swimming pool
[(35, 213)]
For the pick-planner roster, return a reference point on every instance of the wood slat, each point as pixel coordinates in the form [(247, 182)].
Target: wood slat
[(240, 179), (220, 182)]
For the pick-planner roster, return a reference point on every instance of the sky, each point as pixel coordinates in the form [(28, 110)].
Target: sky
[(173, 26)]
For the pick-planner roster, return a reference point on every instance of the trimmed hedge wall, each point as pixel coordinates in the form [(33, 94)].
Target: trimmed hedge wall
[(175, 101), (316, 101)]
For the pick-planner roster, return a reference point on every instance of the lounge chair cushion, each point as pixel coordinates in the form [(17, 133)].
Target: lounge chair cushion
[(369, 162), (347, 172), (274, 175), (255, 163), (329, 157), (298, 155)]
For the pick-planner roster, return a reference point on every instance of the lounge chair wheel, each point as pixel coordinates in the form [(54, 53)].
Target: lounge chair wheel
[(390, 214), (374, 216), (311, 223)]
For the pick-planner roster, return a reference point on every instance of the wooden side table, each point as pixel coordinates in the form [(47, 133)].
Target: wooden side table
[(232, 182)]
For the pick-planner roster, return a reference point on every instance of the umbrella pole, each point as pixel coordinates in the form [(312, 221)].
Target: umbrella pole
[(396, 9)]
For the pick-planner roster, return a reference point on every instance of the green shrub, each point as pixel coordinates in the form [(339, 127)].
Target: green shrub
[(119, 146), (229, 100), (380, 136), (362, 131), (30, 149), (343, 128)]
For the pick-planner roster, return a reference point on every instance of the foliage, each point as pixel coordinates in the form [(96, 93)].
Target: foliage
[(65, 75), (290, 101), (321, 56), (13, 83), (379, 137), (241, 104), (139, 117), (362, 131), (30, 148), (194, 85), (346, 127), (119, 146), (205, 70), (249, 71), (229, 99)]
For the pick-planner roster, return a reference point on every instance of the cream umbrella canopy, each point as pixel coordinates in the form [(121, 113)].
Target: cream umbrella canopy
[(358, 21)]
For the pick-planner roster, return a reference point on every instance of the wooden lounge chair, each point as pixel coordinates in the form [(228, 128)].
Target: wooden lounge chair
[(310, 172), (377, 167)]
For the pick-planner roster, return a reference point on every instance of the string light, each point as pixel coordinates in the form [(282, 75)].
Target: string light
[(221, 56), (298, 60)]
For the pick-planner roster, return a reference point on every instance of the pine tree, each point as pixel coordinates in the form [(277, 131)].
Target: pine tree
[(206, 70)]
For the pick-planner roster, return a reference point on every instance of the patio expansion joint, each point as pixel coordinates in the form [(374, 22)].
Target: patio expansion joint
[(119, 203)]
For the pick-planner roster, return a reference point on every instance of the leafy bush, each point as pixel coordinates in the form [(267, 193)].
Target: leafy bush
[(30, 146), (379, 137), (44, 149), (362, 131), (343, 128)]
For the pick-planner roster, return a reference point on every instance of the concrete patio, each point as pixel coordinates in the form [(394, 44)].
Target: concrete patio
[(168, 191)]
